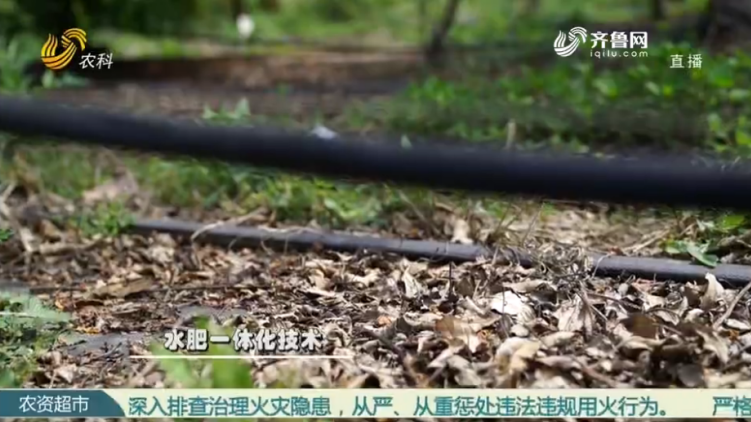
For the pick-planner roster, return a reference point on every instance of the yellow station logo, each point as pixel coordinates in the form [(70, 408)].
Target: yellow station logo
[(50, 55)]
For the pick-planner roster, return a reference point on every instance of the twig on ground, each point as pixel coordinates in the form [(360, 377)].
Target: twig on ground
[(49, 249), (731, 306), (649, 241), (232, 221), (595, 375), (533, 223), (510, 133), (403, 357), (23, 234), (17, 314)]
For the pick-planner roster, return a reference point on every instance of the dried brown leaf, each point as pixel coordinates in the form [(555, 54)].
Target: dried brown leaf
[(714, 344), (161, 254), (519, 361), (460, 232), (465, 375), (511, 345), (66, 373), (574, 315), (527, 286), (120, 187), (673, 312), (739, 325), (319, 279), (561, 338), (125, 288), (442, 359), (321, 293), (411, 287), (507, 303), (691, 375), (364, 281), (713, 294), (457, 330), (652, 301), (642, 325)]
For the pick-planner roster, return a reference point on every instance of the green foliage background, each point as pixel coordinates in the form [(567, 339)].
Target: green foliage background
[(173, 17), (142, 16)]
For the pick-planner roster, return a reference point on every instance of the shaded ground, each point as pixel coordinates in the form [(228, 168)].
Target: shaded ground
[(403, 323), (303, 106), (124, 291), (182, 101)]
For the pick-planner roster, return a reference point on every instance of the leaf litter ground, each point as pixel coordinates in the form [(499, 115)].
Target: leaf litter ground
[(403, 323)]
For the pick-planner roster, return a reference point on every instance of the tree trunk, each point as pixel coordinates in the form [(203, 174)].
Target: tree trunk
[(726, 23), (441, 31), (50, 17), (530, 6), (658, 11), (422, 17), (238, 8), (270, 5)]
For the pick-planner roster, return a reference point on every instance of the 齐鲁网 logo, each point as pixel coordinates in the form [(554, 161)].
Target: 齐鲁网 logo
[(575, 37)]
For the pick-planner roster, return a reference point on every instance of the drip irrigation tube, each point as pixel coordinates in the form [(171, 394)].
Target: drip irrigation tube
[(604, 265), (652, 182)]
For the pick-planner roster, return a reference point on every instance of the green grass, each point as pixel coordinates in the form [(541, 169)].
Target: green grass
[(27, 330), (645, 101), (70, 171), (192, 374)]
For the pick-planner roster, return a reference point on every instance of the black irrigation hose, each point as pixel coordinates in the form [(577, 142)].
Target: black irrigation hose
[(652, 182), (603, 265)]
